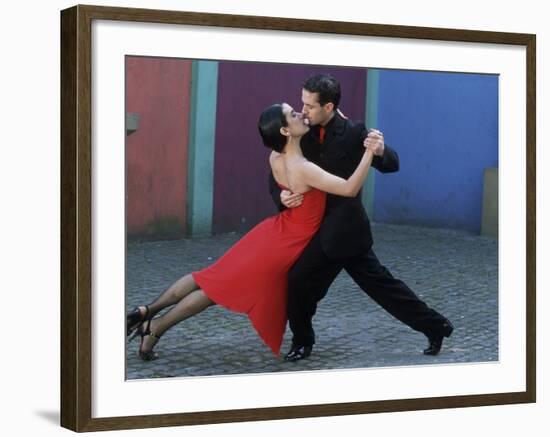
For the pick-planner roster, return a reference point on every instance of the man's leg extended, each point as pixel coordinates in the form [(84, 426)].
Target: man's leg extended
[(397, 298)]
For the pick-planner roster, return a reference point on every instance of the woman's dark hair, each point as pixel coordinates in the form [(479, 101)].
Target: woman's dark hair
[(326, 86), (272, 119)]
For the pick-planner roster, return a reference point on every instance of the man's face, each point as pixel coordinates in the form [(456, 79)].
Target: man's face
[(312, 109)]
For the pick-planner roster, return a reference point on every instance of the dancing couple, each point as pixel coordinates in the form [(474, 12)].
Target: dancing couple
[(284, 266)]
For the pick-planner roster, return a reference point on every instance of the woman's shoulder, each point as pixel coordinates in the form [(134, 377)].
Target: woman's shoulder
[(302, 173), (274, 155), (275, 160), (297, 163)]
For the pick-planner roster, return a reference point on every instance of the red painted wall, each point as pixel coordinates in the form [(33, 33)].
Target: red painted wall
[(158, 89)]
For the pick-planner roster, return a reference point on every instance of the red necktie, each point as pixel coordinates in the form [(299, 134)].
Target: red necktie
[(321, 135)]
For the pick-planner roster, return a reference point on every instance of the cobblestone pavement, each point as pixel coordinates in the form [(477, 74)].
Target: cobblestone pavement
[(454, 272)]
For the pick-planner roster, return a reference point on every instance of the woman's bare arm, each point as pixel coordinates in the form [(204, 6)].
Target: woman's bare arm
[(316, 177)]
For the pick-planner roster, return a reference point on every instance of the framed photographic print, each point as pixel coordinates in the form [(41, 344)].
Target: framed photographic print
[(164, 172)]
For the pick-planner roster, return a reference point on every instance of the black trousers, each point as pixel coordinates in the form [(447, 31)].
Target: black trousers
[(313, 273)]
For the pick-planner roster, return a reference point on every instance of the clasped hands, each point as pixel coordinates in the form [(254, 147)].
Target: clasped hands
[(375, 142)]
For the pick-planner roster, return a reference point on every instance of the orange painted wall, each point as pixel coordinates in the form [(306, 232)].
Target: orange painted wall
[(158, 89)]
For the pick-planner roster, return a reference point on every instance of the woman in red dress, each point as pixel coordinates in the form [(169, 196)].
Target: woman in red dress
[(251, 277)]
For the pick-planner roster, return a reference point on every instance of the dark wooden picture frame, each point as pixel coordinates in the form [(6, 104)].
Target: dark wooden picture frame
[(76, 217)]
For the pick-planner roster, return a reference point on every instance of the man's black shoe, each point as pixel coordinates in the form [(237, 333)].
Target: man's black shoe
[(298, 352), (436, 342)]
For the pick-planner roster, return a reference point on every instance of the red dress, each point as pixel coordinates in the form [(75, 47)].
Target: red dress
[(251, 277)]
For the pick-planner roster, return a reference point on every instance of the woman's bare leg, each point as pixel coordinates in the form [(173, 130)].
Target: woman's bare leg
[(193, 303)]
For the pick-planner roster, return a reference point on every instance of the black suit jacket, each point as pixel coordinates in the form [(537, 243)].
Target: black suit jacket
[(345, 230)]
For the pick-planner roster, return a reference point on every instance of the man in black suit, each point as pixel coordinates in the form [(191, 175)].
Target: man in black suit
[(344, 240)]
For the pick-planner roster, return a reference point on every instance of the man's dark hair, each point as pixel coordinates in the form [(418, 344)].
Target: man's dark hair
[(326, 86), (272, 119)]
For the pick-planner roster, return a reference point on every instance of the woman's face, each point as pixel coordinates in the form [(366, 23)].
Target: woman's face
[(297, 124)]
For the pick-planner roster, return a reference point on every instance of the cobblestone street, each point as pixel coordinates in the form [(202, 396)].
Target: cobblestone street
[(454, 272)]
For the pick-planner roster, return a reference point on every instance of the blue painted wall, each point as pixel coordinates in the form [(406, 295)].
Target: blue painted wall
[(445, 128)]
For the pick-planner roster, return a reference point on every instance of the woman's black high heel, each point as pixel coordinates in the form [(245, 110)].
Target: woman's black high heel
[(145, 332), (134, 320)]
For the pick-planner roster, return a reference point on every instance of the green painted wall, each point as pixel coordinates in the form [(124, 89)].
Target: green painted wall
[(202, 134), (371, 121)]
